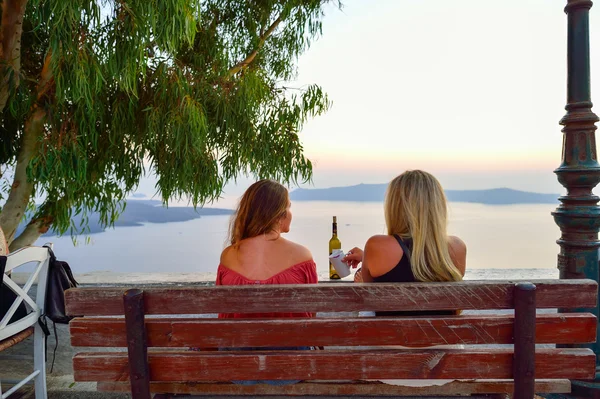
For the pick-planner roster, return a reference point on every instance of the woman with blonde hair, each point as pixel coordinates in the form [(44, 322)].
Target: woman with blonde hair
[(257, 253), (417, 246)]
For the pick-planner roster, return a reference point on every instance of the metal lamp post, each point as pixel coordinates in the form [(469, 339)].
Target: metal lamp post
[(578, 216)]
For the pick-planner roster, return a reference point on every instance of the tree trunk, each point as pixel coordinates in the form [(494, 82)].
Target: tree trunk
[(10, 46), (22, 189), (32, 232)]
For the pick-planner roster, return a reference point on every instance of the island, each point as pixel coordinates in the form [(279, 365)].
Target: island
[(376, 193), (138, 212)]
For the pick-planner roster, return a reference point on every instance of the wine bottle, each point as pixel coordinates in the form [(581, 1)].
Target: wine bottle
[(334, 243)]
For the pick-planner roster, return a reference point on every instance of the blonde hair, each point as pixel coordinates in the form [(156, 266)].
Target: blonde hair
[(260, 209), (415, 207)]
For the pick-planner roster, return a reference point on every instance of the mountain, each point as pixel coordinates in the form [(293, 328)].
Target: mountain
[(138, 212), (376, 193)]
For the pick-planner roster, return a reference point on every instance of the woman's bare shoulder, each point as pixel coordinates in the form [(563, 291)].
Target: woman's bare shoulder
[(298, 251), (382, 253), (457, 244), (458, 253), (227, 254), (381, 241)]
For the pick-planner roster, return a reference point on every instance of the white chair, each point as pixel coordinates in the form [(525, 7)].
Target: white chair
[(18, 330)]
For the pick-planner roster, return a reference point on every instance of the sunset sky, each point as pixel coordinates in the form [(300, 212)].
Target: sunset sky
[(470, 90)]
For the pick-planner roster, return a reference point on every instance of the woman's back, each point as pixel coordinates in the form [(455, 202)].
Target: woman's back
[(266, 260), (389, 257), (261, 258), (396, 268)]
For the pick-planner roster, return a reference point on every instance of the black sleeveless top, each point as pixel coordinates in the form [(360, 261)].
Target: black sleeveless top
[(402, 273)]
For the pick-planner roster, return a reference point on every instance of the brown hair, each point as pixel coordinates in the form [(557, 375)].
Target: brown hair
[(262, 206)]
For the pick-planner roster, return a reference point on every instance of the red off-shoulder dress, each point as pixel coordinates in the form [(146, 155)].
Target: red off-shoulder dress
[(300, 273)]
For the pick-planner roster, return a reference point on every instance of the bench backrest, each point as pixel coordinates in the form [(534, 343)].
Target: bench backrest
[(172, 321)]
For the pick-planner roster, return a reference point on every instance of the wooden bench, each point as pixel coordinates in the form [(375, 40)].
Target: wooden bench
[(166, 320)]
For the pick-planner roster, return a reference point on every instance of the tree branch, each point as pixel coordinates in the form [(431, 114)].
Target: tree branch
[(261, 41), (10, 46), (32, 232), (38, 225), (22, 189), (45, 78)]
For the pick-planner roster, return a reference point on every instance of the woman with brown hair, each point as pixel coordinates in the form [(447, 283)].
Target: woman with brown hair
[(257, 253)]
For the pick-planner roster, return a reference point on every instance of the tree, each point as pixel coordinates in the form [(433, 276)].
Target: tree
[(95, 93)]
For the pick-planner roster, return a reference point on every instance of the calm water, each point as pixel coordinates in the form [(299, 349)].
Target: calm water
[(503, 241)]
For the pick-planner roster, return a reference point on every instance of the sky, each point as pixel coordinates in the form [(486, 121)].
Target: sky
[(469, 90)]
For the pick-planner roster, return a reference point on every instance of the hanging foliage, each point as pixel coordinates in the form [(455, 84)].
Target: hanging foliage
[(95, 94)]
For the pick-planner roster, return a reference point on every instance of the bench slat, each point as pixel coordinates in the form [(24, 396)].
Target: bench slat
[(567, 328), (333, 297), (331, 365), (358, 388)]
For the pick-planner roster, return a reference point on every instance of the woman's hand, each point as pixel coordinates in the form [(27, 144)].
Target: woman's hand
[(358, 278), (353, 257)]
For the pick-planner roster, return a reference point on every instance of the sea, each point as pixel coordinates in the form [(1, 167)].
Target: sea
[(503, 242)]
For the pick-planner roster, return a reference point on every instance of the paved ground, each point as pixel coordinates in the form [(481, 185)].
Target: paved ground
[(17, 363)]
